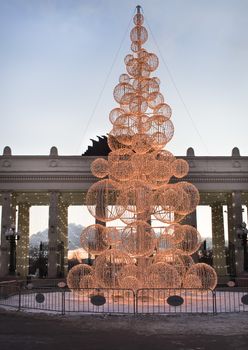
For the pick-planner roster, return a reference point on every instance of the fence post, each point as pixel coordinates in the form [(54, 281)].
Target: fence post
[(214, 302), (19, 298), (134, 301), (63, 302)]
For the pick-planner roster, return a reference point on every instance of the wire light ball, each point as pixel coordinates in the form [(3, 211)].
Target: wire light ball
[(191, 198), (191, 240), (128, 270), (130, 282), (143, 163), (138, 239), (203, 273), (108, 265), (142, 143), (99, 167), (87, 281), (115, 113), (94, 239), (180, 168), (138, 19), (139, 34), (162, 275), (103, 202), (77, 274), (138, 196), (163, 109), (166, 201), (114, 144), (120, 165)]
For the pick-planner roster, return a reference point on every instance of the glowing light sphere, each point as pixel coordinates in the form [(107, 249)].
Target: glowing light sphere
[(161, 171), (124, 78), (143, 163), (136, 68), (138, 239), (172, 258), (93, 239), (162, 131), (123, 135), (135, 46), (108, 265), (103, 202), (166, 200), (128, 270), (146, 85), (76, 274), (129, 282), (154, 183), (191, 200), (139, 34), (163, 109), (154, 99), (88, 281), (99, 167), (120, 165), (138, 104), (204, 273), (114, 144), (152, 61), (121, 90), (180, 168), (192, 281), (115, 113), (128, 58), (162, 275), (141, 143), (191, 241), (138, 196)]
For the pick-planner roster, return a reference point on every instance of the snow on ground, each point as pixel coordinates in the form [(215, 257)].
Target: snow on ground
[(231, 324)]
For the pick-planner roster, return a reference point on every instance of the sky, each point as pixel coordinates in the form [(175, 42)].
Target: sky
[(60, 61)]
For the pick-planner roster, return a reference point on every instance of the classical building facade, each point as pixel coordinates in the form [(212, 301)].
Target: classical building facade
[(61, 181)]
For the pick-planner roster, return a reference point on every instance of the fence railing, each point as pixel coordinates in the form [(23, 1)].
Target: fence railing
[(161, 301), (124, 301)]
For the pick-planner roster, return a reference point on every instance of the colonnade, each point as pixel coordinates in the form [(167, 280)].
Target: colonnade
[(58, 234)]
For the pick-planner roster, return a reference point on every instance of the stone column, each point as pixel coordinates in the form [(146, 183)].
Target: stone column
[(236, 256), (8, 220), (53, 235), (57, 236), (63, 239), (218, 240), (22, 251)]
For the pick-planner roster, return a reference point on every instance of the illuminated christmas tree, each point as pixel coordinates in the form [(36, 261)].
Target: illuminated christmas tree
[(139, 184)]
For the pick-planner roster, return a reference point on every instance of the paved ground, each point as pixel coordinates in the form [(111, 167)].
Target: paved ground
[(26, 331)]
